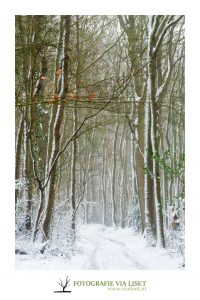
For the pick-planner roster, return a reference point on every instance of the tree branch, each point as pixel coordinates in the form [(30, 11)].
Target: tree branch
[(98, 58), (164, 32)]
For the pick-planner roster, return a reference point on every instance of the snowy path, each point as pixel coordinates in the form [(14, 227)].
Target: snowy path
[(108, 254), (99, 249)]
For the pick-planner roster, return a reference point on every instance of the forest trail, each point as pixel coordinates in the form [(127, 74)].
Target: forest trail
[(108, 253), (101, 248)]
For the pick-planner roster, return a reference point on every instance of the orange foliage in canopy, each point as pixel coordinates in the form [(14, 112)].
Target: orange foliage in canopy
[(92, 96)]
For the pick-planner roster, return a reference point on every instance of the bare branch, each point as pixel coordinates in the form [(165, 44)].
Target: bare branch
[(164, 32), (80, 200), (133, 134), (98, 58)]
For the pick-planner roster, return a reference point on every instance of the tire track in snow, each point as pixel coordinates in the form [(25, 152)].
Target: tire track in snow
[(91, 260), (98, 242), (126, 251)]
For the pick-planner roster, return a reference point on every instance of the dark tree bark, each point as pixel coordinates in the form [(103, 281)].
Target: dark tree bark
[(18, 155), (74, 142), (46, 224), (113, 188)]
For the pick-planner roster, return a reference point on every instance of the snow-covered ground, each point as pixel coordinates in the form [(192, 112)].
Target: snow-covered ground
[(99, 248)]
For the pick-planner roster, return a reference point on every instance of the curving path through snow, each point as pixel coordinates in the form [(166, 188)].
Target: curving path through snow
[(108, 253), (103, 249)]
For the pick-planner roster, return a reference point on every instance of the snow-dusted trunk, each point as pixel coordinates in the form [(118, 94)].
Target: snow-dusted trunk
[(151, 88), (113, 190), (27, 169), (164, 190), (121, 177), (54, 108), (23, 134), (74, 118), (149, 194), (73, 166), (139, 162), (46, 225), (156, 177), (18, 155), (89, 180), (158, 28), (122, 174), (134, 175), (125, 184), (51, 185), (104, 181), (27, 173), (37, 221), (130, 26), (148, 187)]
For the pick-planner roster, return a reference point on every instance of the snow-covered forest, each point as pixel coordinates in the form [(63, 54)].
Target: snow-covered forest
[(100, 141)]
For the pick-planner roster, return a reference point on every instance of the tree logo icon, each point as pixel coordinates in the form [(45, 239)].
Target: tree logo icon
[(64, 284)]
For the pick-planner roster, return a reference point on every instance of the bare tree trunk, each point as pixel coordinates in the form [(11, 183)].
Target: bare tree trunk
[(139, 163), (155, 40), (156, 177), (121, 176), (74, 142), (89, 180), (129, 26), (27, 169), (124, 184), (38, 215), (113, 191), (73, 168), (24, 127), (126, 191), (46, 225), (18, 155), (57, 79), (134, 175), (104, 181), (148, 187), (153, 25)]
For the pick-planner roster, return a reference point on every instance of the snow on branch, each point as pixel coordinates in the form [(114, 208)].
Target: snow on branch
[(172, 23), (161, 88)]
